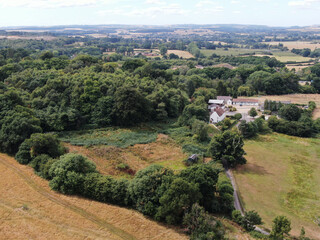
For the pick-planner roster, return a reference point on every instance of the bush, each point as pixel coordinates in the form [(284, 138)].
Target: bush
[(69, 172), (238, 116)]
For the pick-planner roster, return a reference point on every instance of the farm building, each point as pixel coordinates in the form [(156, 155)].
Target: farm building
[(226, 99), (245, 102), (217, 115), (216, 101)]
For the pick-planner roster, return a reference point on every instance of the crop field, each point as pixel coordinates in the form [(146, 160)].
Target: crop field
[(163, 151), (30, 210), (281, 178), (297, 45), (183, 54)]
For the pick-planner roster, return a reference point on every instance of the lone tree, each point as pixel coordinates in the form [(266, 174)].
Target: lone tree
[(281, 226), (253, 112), (227, 148)]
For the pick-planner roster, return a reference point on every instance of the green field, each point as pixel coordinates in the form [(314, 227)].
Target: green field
[(279, 55), (230, 51), (282, 178)]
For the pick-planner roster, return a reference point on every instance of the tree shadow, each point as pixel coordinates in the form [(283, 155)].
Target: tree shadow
[(252, 168)]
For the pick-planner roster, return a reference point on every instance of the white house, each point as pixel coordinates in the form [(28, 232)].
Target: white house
[(217, 115), (245, 102), (226, 99)]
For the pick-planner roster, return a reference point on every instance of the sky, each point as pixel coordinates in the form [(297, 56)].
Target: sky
[(159, 12)]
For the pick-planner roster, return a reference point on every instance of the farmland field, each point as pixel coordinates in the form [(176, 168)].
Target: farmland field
[(30, 210), (281, 178), (279, 55), (294, 98), (183, 54), (297, 45)]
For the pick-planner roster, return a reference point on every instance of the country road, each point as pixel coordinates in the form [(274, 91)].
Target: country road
[(237, 203)]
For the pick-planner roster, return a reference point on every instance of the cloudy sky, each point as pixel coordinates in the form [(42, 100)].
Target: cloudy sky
[(158, 12)]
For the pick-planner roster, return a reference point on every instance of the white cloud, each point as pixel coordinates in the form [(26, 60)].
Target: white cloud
[(208, 7), (170, 9), (303, 3), (50, 3), (235, 2), (155, 2), (236, 12)]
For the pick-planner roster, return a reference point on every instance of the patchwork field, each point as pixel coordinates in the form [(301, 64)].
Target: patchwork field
[(30, 210), (281, 178), (230, 51)]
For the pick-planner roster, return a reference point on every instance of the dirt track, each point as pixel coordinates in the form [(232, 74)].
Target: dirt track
[(30, 210)]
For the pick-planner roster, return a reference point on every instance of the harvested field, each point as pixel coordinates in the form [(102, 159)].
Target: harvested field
[(281, 178), (30, 210), (295, 98), (297, 45), (164, 152), (183, 54)]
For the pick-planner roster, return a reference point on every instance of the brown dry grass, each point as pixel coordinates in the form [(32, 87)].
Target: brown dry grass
[(183, 54), (297, 45), (30, 210), (164, 152), (316, 113), (295, 98)]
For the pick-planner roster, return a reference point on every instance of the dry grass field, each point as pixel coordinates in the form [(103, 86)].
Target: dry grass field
[(281, 178), (30, 210), (183, 54), (297, 45), (295, 98), (163, 151)]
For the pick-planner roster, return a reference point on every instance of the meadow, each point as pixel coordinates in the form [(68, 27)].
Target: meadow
[(281, 178)]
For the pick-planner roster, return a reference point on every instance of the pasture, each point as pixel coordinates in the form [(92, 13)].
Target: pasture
[(281, 178), (29, 209)]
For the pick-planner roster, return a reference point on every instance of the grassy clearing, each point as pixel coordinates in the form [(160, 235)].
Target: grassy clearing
[(153, 143), (163, 151), (29, 209), (117, 137), (281, 178)]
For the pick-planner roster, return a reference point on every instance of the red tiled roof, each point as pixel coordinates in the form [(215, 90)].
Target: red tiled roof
[(245, 100), (219, 111)]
